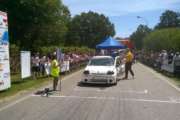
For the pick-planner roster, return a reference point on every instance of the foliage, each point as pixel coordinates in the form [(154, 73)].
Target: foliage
[(169, 19), (138, 36), (14, 58), (34, 23), (168, 39), (88, 29), (79, 50)]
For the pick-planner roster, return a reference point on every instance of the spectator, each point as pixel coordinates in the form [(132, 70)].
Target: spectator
[(47, 66), (35, 65), (42, 65)]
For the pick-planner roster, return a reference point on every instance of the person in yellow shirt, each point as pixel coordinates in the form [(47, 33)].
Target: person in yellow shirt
[(55, 70), (128, 64)]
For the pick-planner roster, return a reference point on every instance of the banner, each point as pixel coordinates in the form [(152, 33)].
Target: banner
[(25, 64), (65, 66), (4, 53)]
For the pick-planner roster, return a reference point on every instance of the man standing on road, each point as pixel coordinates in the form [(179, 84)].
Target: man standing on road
[(128, 65), (55, 70)]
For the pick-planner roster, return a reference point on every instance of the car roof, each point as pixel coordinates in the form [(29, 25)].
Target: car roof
[(96, 57)]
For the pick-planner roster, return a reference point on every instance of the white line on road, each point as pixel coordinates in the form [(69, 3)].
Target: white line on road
[(14, 103), (115, 98), (79, 97), (152, 101), (109, 91), (26, 97), (165, 79)]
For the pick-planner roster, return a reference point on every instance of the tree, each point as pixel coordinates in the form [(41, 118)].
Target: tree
[(168, 39), (34, 23), (88, 29), (169, 19), (138, 36)]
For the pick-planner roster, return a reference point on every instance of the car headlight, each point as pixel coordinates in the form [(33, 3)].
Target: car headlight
[(110, 72), (86, 72)]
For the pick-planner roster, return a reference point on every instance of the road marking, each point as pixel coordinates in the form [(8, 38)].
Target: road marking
[(152, 101), (79, 97), (26, 97), (175, 99), (14, 103), (108, 91), (115, 98), (161, 77)]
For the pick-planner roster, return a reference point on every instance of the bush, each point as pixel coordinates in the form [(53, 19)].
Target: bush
[(79, 50), (168, 39)]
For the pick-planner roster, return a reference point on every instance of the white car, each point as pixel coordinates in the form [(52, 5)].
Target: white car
[(102, 69)]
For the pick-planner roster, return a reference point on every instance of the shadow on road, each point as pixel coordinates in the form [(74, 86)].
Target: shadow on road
[(100, 86)]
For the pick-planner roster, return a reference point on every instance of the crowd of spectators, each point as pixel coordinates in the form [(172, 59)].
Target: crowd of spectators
[(41, 64), (159, 59)]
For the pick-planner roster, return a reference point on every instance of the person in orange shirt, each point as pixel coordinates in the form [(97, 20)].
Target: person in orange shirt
[(128, 64)]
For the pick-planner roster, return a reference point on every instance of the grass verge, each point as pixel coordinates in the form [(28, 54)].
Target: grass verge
[(18, 85), (173, 79), (176, 81)]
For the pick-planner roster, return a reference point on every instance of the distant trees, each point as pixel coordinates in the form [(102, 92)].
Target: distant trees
[(34, 23), (168, 39), (37, 23), (169, 19), (165, 35), (88, 29), (137, 37)]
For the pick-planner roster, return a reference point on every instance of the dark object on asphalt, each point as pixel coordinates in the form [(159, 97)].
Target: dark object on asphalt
[(46, 92)]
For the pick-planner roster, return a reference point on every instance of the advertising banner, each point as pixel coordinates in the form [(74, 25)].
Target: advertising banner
[(25, 64), (4, 53)]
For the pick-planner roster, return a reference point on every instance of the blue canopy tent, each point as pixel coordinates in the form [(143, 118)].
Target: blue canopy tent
[(110, 43)]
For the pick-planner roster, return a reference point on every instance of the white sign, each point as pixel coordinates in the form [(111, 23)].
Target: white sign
[(25, 64), (4, 53), (65, 66)]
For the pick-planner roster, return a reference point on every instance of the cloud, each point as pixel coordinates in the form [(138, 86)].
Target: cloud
[(118, 7), (123, 12)]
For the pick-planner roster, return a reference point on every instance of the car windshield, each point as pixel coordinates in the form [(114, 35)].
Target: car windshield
[(102, 62)]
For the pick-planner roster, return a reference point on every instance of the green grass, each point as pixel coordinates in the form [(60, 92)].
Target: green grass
[(177, 81), (174, 79), (18, 85)]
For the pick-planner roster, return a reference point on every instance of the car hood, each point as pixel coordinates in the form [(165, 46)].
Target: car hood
[(99, 69)]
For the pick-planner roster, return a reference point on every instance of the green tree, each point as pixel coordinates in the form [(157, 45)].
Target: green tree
[(34, 23), (88, 29), (138, 36), (169, 19), (168, 39)]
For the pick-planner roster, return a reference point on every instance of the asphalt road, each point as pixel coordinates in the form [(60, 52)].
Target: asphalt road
[(147, 97)]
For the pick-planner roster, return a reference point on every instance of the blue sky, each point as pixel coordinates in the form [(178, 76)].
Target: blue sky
[(123, 13)]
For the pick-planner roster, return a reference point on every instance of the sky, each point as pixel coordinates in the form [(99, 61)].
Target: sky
[(123, 13)]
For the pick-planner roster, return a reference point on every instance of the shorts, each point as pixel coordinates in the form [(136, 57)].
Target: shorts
[(35, 68)]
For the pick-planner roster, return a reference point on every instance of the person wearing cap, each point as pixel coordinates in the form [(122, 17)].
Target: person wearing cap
[(55, 70), (128, 63)]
